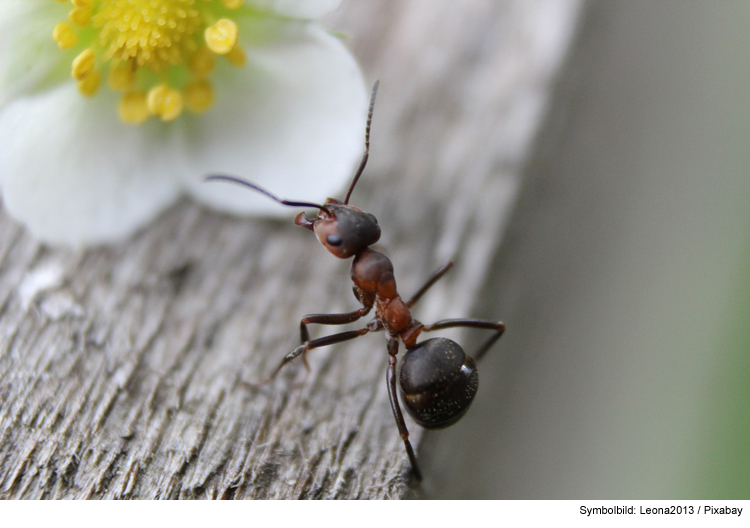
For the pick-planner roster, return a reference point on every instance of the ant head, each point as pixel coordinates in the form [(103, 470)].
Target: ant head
[(343, 229)]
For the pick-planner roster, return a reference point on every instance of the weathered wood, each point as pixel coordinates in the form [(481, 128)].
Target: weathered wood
[(126, 371)]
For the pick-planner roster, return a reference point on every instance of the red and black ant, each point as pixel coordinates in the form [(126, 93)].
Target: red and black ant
[(438, 381)]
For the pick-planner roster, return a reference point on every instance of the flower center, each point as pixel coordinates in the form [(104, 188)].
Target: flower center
[(149, 33), (158, 53)]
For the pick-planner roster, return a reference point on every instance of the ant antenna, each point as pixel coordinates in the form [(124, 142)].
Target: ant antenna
[(366, 155), (263, 191)]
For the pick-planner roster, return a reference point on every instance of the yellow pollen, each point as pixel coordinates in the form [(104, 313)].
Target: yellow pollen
[(90, 84), (222, 36), (80, 16), (151, 33), (159, 54), (202, 62), (134, 108), (199, 96), (83, 64), (165, 102), (64, 36), (237, 56), (121, 77)]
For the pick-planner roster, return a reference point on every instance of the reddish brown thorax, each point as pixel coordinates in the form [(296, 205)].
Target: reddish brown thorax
[(374, 283)]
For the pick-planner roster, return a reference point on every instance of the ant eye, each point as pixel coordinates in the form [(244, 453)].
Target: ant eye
[(334, 240), (372, 217)]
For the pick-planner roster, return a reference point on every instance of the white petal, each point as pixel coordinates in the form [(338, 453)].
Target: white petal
[(74, 174), (292, 121), (298, 8), (27, 51)]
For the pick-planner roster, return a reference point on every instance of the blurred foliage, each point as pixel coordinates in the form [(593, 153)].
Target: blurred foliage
[(722, 463)]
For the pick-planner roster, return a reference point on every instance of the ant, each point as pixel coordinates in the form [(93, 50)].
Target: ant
[(437, 380)]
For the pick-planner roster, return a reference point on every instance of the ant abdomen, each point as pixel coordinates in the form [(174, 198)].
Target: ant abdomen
[(438, 382)]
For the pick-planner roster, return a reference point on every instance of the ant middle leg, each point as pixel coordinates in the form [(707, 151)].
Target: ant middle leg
[(498, 327), (442, 270)]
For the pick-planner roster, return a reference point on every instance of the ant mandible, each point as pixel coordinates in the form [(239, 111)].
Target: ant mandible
[(437, 380)]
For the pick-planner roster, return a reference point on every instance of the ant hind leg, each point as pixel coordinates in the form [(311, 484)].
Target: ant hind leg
[(498, 327), (396, 408)]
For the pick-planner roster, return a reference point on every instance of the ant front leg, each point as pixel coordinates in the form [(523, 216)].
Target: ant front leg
[(396, 408), (498, 327), (327, 319), (317, 343)]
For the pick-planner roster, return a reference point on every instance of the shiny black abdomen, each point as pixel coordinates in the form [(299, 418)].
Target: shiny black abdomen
[(438, 382)]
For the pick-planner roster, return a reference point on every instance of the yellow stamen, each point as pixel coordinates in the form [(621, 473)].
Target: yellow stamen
[(90, 84), (199, 96), (202, 62), (134, 108), (165, 102), (83, 64), (80, 16), (165, 48), (64, 36), (221, 36), (237, 56), (121, 76), (153, 33)]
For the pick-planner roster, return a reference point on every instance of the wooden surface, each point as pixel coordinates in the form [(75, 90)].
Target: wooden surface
[(125, 371)]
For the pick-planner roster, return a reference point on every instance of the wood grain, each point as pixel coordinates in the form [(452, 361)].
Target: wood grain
[(127, 371)]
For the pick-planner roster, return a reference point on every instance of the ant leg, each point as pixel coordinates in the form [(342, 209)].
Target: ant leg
[(498, 327), (427, 285), (317, 343), (327, 319), (402, 430)]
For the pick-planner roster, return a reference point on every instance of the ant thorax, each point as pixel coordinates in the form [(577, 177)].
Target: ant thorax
[(372, 274)]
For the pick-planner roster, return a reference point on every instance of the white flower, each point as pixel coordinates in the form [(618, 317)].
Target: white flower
[(110, 109)]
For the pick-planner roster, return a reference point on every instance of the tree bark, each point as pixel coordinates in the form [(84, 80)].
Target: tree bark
[(129, 371)]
